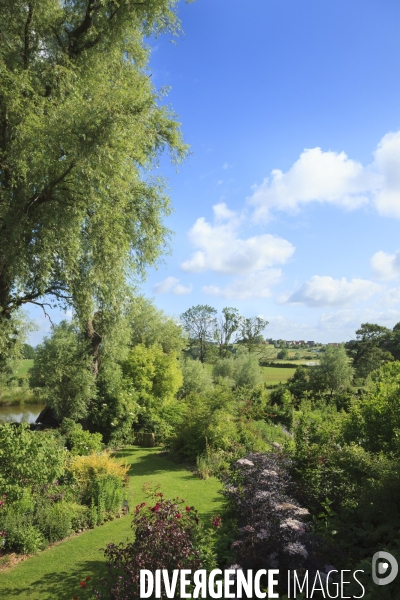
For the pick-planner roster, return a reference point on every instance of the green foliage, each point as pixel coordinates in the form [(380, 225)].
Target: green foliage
[(27, 458), (106, 494), (155, 378), (369, 350), (283, 354), (220, 421), (78, 440), (81, 128), (374, 419), (150, 326), (54, 520), (13, 333), (224, 368), (22, 536), (62, 372), (243, 370), (334, 373), (281, 405), (196, 378), (299, 384), (247, 372), (28, 352)]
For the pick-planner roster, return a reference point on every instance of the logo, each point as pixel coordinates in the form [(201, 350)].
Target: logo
[(380, 566)]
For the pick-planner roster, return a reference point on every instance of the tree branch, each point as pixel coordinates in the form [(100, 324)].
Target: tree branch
[(45, 195), (27, 34)]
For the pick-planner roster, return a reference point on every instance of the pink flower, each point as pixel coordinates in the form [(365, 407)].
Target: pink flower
[(217, 521), (178, 516)]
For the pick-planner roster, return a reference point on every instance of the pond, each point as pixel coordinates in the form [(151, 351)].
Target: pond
[(20, 414)]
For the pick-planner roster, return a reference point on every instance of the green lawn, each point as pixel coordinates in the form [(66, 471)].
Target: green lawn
[(24, 367), (55, 573), (275, 375)]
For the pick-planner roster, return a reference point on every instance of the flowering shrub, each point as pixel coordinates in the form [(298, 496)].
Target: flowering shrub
[(168, 535), (272, 527)]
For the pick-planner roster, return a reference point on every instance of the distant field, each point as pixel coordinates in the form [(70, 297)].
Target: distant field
[(24, 367), (275, 375)]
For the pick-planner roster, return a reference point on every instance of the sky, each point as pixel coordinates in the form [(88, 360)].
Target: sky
[(288, 206)]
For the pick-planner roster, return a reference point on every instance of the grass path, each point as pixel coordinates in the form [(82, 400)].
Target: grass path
[(55, 573)]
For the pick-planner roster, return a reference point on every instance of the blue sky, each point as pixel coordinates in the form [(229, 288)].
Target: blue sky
[(289, 204)]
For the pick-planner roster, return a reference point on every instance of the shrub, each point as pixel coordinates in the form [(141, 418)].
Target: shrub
[(272, 530), (212, 462), (54, 520), (78, 440), (196, 378), (23, 538), (224, 367), (80, 516), (87, 468), (247, 372), (101, 479), (27, 459), (107, 493), (168, 535)]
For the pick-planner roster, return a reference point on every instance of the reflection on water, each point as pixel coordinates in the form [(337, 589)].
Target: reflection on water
[(20, 414)]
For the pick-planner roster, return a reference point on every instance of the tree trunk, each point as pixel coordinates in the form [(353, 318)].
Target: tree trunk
[(95, 340)]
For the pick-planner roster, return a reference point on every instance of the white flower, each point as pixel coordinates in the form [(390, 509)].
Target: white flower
[(296, 548), (292, 524)]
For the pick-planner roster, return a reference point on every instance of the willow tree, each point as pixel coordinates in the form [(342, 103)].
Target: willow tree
[(81, 130)]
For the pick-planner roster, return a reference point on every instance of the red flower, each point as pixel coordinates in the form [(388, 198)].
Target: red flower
[(156, 508), (188, 509), (88, 578), (217, 521), (82, 584), (2, 534), (178, 516)]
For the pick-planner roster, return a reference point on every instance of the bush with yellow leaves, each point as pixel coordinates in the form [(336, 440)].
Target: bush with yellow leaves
[(101, 479)]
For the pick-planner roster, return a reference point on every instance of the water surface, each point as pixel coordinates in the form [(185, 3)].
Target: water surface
[(20, 414)]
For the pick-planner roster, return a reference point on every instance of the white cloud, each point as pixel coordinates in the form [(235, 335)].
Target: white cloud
[(387, 160), (349, 320), (386, 266), (255, 285), (221, 250), (390, 297), (181, 290), (326, 291), (332, 177), (172, 285), (227, 166)]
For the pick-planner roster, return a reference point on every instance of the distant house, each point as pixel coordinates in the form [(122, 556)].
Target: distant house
[(310, 343), (335, 344)]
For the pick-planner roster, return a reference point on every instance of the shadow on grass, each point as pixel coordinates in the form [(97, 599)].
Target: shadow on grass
[(150, 463), (60, 585)]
